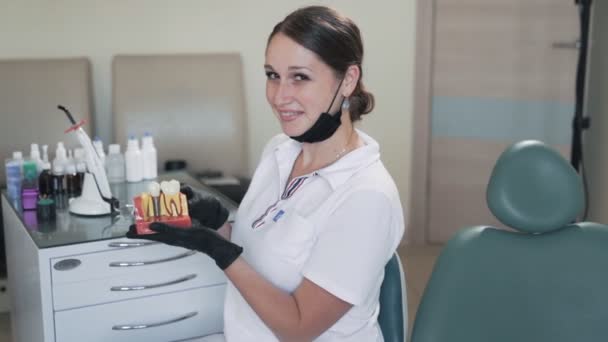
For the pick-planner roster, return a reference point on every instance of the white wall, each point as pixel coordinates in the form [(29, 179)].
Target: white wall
[(596, 139), (102, 29)]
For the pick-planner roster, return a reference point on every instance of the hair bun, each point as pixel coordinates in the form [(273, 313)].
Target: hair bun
[(361, 102)]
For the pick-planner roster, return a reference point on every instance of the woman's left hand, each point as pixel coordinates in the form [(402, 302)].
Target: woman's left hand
[(197, 237)]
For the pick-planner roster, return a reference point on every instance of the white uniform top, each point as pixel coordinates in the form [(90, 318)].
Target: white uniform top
[(337, 226)]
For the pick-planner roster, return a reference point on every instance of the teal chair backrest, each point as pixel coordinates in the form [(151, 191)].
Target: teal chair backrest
[(545, 281), (393, 302)]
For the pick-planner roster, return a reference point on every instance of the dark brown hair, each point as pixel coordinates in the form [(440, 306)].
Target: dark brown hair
[(336, 40)]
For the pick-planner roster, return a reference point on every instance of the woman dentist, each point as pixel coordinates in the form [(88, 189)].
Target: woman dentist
[(305, 255)]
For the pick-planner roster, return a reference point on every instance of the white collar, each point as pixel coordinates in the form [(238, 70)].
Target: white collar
[(336, 173)]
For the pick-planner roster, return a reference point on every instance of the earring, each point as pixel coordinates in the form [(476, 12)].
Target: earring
[(345, 104)]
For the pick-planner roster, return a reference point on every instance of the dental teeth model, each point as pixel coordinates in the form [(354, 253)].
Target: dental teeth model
[(162, 203)]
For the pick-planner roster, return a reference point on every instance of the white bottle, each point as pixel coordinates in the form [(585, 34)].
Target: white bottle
[(115, 164), (35, 156), (45, 153), (98, 144), (148, 152), (60, 155), (133, 160)]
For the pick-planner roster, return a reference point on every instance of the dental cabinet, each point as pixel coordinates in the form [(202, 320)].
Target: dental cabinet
[(78, 278)]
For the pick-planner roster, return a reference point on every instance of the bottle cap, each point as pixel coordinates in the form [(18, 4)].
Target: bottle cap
[(45, 154), (132, 144), (34, 152), (60, 152), (147, 140), (113, 149), (17, 155)]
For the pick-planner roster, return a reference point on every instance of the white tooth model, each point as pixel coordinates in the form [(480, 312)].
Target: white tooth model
[(162, 203), (154, 190)]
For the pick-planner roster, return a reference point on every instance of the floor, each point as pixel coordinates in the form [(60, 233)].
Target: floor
[(417, 261)]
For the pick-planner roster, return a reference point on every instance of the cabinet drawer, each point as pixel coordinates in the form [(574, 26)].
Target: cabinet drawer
[(119, 261), (168, 317), (94, 281)]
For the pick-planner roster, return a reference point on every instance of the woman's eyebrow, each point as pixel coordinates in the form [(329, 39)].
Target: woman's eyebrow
[(299, 68), (291, 68)]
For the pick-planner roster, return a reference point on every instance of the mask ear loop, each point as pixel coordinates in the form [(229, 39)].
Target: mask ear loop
[(335, 95)]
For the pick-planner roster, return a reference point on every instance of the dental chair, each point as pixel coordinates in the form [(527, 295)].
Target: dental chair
[(393, 302), (547, 280)]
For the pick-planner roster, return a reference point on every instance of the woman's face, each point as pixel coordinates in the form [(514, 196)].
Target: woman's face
[(299, 85)]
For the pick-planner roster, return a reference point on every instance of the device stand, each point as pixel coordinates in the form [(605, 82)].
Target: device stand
[(90, 202)]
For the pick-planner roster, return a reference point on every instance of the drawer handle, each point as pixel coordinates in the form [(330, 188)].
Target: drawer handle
[(130, 244), (153, 286), (152, 325), (144, 263)]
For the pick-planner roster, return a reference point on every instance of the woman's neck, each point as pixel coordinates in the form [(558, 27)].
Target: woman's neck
[(318, 155)]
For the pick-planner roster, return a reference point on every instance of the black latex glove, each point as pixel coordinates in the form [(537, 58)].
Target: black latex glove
[(207, 210), (198, 238)]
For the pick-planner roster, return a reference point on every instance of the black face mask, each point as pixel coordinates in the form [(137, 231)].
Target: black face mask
[(325, 126)]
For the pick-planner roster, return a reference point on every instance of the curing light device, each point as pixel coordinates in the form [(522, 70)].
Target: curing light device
[(96, 198)]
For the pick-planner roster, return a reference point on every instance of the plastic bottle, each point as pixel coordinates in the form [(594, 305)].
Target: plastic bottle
[(45, 153), (30, 173), (58, 186), (148, 151), (98, 145), (14, 175), (115, 164), (29, 187), (81, 169), (45, 181), (58, 172), (133, 161), (80, 164), (72, 181), (35, 155), (60, 155)]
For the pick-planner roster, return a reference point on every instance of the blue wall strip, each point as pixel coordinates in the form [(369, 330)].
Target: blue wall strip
[(502, 119)]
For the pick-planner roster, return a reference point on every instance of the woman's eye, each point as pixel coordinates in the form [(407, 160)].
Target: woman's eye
[(301, 77), (271, 75)]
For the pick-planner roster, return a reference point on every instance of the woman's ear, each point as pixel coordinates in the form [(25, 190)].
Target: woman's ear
[(351, 78)]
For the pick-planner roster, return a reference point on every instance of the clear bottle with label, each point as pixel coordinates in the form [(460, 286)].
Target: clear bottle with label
[(14, 176), (133, 161), (115, 164), (148, 151), (29, 186)]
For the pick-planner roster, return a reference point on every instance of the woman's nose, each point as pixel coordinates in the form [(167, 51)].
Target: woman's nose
[(283, 93)]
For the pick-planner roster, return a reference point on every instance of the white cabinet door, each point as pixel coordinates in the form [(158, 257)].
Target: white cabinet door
[(169, 317)]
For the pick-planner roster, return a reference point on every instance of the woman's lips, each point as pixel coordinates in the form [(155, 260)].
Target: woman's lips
[(289, 115)]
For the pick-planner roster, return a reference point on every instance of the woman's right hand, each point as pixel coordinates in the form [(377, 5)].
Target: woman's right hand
[(199, 238)]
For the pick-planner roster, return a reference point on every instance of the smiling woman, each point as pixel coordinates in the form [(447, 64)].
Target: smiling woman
[(319, 198)]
